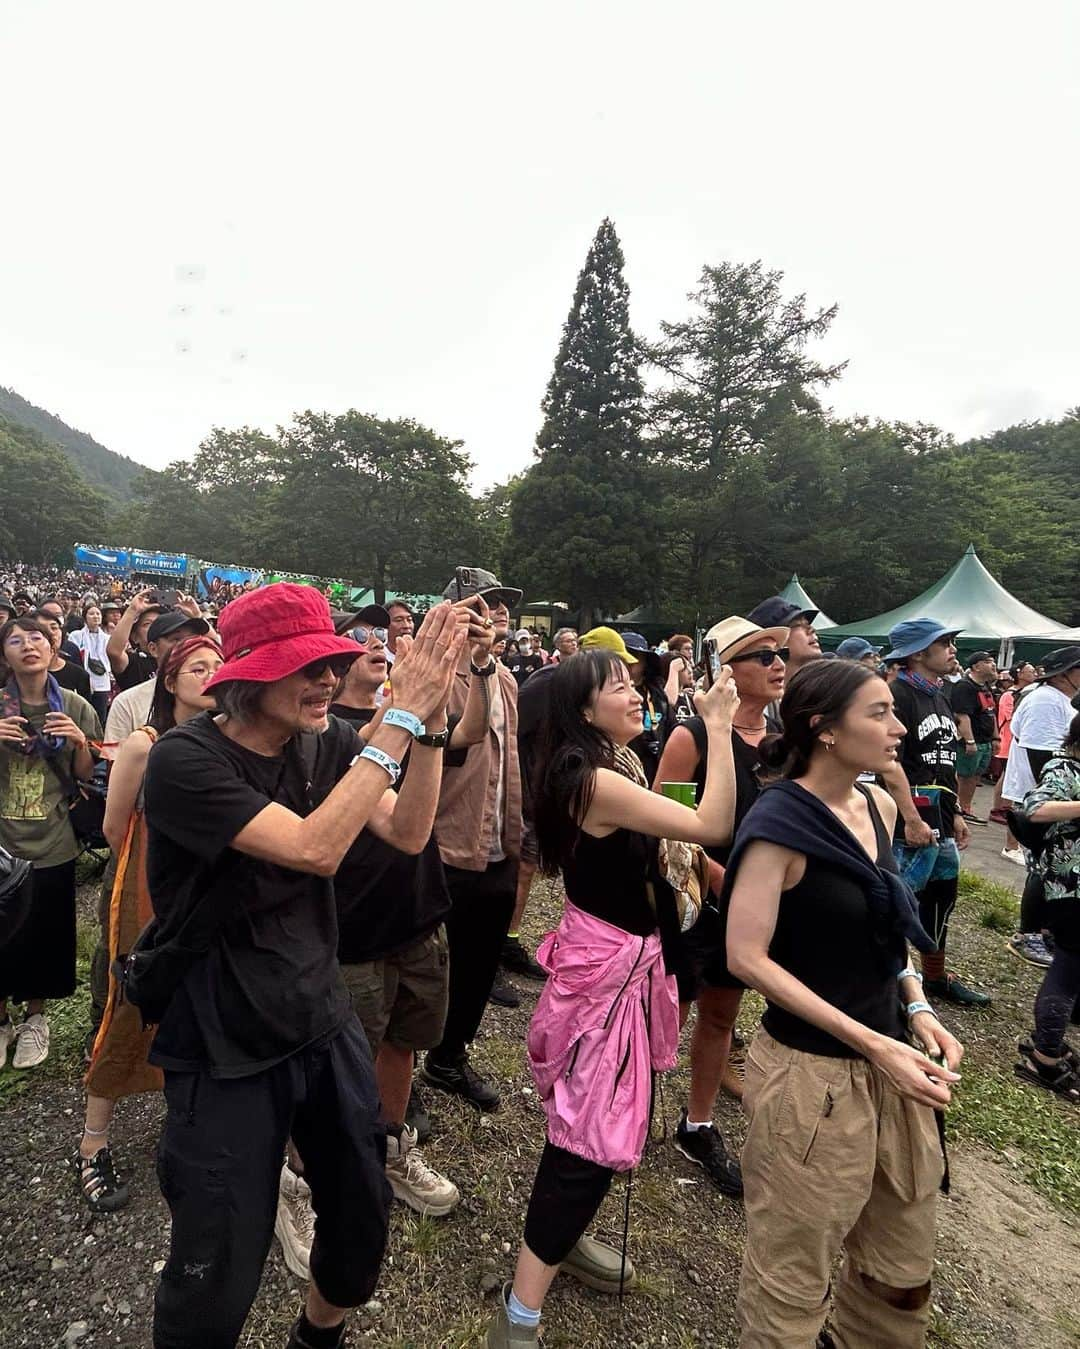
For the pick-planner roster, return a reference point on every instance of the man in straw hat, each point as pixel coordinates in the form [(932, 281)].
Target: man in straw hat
[(756, 657), (249, 813)]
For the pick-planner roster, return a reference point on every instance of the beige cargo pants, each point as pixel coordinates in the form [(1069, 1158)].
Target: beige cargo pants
[(835, 1159)]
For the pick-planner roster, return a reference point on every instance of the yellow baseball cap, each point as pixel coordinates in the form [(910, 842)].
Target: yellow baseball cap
[(609, 639)]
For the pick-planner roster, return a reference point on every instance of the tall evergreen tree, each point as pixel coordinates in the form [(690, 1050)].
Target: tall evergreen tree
[(578, 517)]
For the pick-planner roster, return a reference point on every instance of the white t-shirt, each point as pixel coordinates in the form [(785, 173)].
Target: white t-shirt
[(129, 710), (1040, 722), (92, 645)]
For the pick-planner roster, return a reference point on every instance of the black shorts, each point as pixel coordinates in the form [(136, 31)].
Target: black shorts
[(701, 961)]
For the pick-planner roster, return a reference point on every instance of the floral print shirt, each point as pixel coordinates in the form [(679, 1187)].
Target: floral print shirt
[(1059, 864)]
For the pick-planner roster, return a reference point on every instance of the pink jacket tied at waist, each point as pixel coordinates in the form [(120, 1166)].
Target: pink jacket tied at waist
[(607, 1018)]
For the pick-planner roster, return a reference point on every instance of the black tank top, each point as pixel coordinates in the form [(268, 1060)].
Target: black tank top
[(606, 877), (823, 937), (749, 779)]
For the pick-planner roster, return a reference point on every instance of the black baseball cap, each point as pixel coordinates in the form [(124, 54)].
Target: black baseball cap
[(172, 620), (777, 612)]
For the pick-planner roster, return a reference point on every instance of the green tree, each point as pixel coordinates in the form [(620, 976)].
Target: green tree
[(735, 408), (579, 520), (384, 502), (216, 505), (48, 506)]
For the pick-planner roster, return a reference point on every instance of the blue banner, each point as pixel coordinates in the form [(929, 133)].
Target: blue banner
[(115, 561), (213, 576), (158, 564)]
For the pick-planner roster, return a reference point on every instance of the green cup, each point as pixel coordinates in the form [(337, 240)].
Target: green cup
[(683, 792)]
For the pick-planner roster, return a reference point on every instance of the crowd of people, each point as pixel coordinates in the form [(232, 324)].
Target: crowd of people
[(323, 828)]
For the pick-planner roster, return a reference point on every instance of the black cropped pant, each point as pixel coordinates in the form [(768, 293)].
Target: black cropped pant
[(219, 1164)]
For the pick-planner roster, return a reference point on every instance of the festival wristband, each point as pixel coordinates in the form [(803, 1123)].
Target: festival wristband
[(408, 721), (385, 762), (910, 973), (913, 1007)]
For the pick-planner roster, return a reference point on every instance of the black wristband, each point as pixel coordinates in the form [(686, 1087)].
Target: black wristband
[(484, 673)]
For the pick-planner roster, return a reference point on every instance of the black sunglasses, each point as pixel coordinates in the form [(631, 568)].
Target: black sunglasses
[(764, 658), (339, 667)]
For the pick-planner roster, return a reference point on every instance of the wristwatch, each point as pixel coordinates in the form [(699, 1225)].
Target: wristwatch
[(484, 672), (434, 739)]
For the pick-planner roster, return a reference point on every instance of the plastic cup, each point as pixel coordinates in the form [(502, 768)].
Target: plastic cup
[(683, 792)]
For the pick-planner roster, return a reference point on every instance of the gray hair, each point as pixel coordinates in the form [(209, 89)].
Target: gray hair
[(561, 631), (239, 698)]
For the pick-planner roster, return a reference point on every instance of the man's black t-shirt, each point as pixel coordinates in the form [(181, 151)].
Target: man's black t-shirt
[(386, 899), (140, 668), (928, 750), (977, 702), (269, 984), (521, 667)]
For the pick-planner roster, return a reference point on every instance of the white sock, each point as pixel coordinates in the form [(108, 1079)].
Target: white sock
[(692, 1126)]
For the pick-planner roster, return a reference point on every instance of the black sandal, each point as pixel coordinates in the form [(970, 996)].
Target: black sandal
[(1071, 1057), (1062, 1077), (97, 1180)]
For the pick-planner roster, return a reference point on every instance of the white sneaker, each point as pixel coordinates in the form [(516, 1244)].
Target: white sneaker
[(1014, 855), (413, 1181), (7, 1039), (31, 1042), (294, 1225)]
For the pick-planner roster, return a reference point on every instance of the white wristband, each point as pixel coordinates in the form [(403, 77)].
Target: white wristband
[(913, 1007), (375, 755), (910, 973)]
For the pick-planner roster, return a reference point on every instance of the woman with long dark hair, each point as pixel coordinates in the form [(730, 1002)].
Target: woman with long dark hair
[(45, 735), (608, 1016), (118, 1065), (842, 1148), (1047, 1059)]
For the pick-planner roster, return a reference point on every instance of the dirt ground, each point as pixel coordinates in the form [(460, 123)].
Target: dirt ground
[(1009, 1258)]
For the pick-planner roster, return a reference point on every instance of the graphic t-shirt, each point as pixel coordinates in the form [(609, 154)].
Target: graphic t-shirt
[(269, 983), (977, 702), (34, 820), (521, 667), (928, 750)]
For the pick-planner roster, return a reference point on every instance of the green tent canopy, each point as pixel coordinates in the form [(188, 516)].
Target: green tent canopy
[(971, 600), (794, 593)]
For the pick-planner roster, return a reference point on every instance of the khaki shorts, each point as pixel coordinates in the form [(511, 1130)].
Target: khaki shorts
[(402, 997)]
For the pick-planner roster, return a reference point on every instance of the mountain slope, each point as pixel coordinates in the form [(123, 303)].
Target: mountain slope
[(114, 473)]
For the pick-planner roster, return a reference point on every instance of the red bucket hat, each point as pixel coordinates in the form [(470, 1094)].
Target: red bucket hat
[(270, 633)]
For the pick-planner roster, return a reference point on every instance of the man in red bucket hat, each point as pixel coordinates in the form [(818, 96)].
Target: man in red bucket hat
[(249, 812)]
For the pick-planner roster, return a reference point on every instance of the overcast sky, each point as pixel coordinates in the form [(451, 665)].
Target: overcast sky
[(221, 213)]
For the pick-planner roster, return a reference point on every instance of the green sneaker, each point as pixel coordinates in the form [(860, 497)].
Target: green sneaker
[(952, 990), (503, 1334), (598, 1266)]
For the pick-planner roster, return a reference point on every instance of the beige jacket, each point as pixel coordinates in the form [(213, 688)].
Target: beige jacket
[(465, 822)]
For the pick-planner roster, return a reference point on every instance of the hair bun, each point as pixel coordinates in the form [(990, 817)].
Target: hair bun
[(774, 751)]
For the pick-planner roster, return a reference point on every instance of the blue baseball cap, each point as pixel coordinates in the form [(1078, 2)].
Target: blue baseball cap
[(854, 648), (916, 634)]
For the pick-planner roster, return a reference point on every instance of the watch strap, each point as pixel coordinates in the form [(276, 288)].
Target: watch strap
[(434, 739)]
